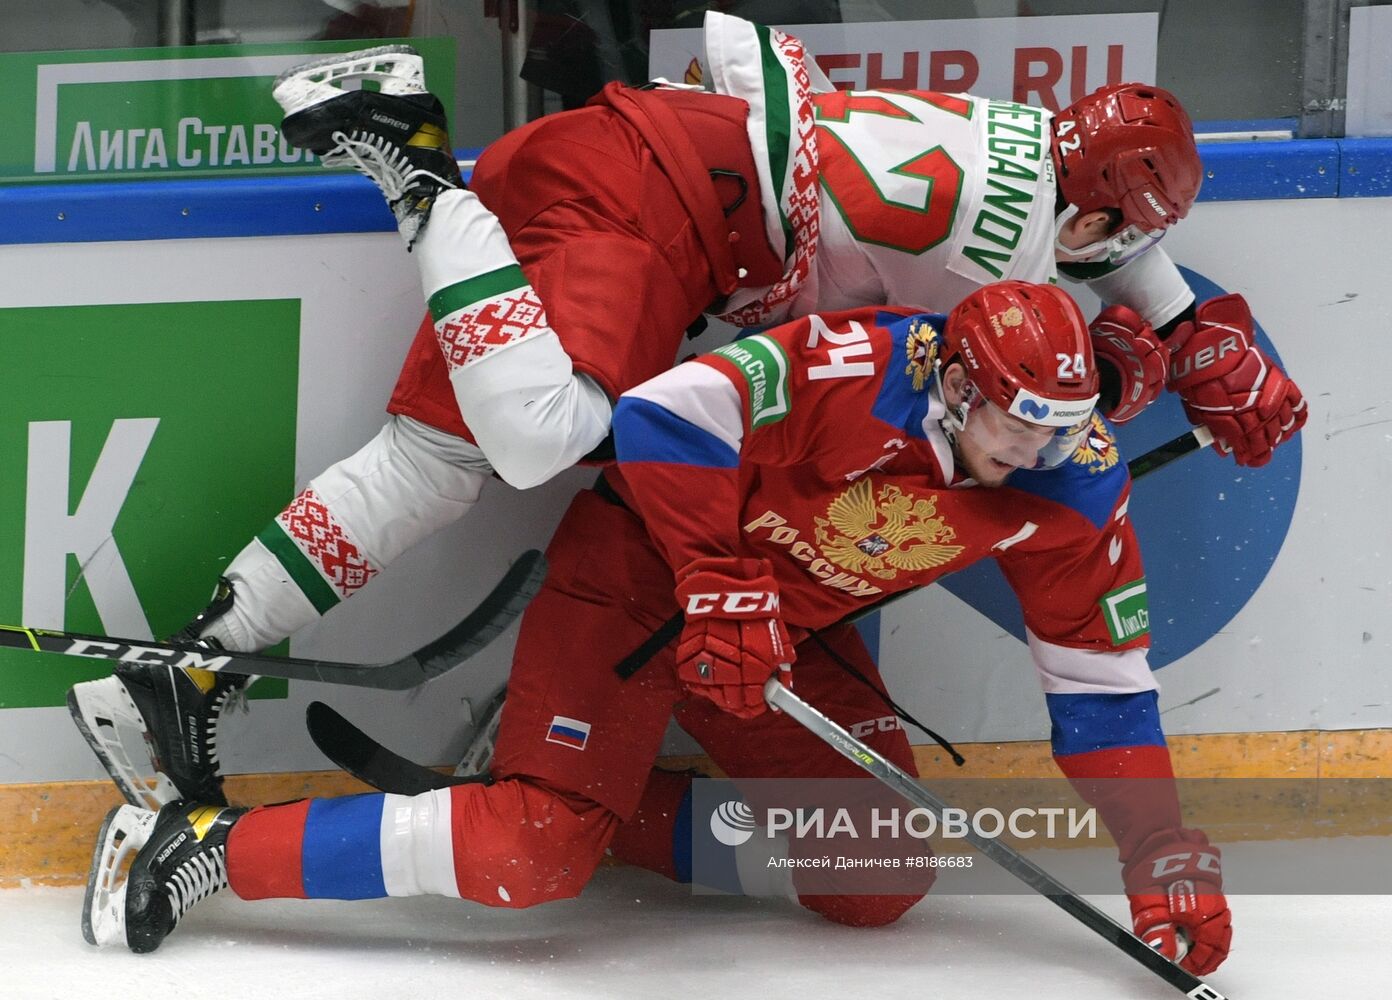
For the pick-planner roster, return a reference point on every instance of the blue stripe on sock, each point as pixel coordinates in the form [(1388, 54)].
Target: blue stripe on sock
[(342, 852), (1086, 722)]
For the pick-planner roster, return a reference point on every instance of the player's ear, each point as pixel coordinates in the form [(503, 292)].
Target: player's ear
[(954, 382), (1098, 224)]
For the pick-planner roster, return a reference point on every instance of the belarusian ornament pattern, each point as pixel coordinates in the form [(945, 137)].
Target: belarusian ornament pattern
[(480, 329), (311, 525)]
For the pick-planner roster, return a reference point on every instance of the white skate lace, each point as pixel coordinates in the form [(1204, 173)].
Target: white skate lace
[(381, 160), (231, 699), (235, 700), (197, 878)]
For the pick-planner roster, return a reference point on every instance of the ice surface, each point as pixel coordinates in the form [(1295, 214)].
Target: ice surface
[(634, 935)]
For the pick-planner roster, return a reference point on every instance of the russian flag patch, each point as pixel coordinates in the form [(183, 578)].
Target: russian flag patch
[(568, 732)]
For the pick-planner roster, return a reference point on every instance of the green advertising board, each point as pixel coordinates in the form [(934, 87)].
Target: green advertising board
[(144, 446), (194, 111)]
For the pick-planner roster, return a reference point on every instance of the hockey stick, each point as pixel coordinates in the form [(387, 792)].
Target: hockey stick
[(493, 614), (364, 758), (784, 700), (369, 761)]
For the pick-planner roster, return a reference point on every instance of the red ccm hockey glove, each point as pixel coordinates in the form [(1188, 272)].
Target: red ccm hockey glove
[(1121, 338), (1175, 882), (734, 639), (1229, 385)]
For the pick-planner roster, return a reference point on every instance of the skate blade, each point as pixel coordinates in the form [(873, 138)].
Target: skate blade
[(398, 68), (147, 787), (481, 740), (125, 831)]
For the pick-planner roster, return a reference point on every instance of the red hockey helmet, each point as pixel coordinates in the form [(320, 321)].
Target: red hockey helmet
[(1026, 348), (1128, 146), (1028, 355)]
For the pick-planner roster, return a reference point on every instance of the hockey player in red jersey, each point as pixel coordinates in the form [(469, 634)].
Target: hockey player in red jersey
[(588, 242), (765, 490)]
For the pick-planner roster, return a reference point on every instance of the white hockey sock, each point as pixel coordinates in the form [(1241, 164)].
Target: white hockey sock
[(417, 844), (464, 240), (515, 386), (346, 526)]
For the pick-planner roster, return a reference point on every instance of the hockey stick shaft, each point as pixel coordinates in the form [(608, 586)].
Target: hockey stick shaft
[(784, 700), (1157, 458), (493, 614)]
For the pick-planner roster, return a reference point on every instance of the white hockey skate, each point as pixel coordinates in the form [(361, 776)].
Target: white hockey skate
[(478, 753), (396, 135), (397, 70), (170, 860)]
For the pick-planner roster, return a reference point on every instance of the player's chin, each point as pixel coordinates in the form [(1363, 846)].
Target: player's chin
[(995, 472)]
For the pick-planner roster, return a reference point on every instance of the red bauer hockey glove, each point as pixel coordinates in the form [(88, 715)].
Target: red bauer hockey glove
[(1229, 385), (734, 639), (1175, 881), (1121, 338)]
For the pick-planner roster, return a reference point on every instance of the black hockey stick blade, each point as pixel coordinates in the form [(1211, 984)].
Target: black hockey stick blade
[(367, 760), (499, 608), (503, 604)]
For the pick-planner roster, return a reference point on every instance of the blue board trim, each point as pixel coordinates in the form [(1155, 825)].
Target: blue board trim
[(310, 203), (1365, 168), (187, 209), (1246, 171), (333, 202)]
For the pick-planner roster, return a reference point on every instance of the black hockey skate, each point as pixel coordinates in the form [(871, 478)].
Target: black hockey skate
[(396, 135), (155, 727), (180, 859)]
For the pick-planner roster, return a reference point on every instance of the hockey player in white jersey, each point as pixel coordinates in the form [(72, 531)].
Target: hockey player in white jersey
[(587, 242)]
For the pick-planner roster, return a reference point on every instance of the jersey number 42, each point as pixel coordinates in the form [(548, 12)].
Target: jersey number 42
[(862, 121)]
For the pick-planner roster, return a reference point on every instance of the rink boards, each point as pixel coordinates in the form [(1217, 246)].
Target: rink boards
[(250, 336)]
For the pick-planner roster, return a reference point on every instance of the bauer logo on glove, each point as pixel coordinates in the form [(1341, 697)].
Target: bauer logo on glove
[(1229, 385)]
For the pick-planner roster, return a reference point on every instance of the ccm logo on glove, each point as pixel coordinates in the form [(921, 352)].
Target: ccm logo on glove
[(1173, 864), (1175, 882), (739, 602)]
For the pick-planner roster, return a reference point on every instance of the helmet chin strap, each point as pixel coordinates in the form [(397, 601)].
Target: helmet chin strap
[(938, 418), (1126, 242), (954, 418)]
